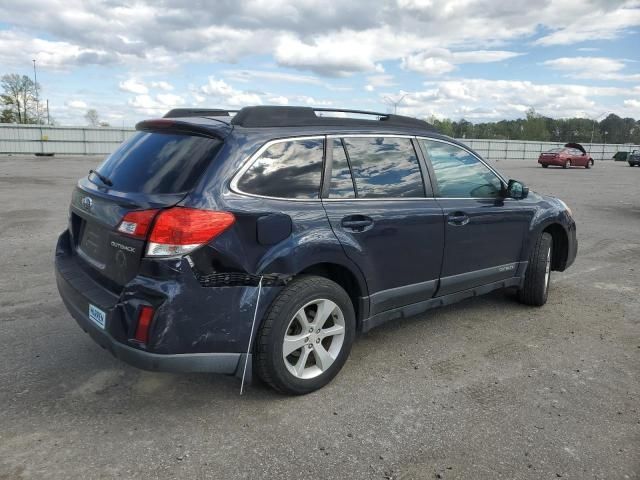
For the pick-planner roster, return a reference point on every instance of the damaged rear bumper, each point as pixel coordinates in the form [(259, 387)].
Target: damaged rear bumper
[(195, 328), (77, 305)]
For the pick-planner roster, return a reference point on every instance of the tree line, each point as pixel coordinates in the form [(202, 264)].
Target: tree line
[(612, 129)]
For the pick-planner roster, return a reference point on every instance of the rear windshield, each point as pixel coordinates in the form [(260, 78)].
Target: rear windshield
[(555, 150), (157, 163)]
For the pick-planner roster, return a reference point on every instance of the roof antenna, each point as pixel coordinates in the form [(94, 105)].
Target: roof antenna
[(253, 324)]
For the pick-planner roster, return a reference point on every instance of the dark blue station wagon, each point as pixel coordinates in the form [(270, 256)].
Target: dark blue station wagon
[(263, 241)]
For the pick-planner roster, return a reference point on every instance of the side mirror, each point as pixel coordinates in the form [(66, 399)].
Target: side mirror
[(517, 190)]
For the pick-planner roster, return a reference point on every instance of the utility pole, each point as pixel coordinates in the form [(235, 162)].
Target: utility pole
[(35, 83), (48, 112)]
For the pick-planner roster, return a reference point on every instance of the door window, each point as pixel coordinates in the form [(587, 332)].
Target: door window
[(384, 167), (341, 181), (459, 174), (290, 169)]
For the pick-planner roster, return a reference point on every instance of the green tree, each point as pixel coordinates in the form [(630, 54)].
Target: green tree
[(535, 127), (19, 97)]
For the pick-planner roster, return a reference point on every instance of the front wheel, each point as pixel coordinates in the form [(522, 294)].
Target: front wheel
[(537, 277), (545, 165), (589, 163), (306, 336), (567, 164)]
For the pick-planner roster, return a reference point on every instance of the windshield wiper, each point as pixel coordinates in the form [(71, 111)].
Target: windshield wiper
[(102, 178)]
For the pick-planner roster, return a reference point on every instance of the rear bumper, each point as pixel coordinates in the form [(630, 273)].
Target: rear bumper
[(551, 161), (78, 290)]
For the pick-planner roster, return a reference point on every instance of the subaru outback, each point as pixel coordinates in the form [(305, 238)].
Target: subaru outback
[(263, 240)]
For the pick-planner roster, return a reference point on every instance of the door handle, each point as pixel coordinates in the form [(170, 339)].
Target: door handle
[(356, 223), (457, 219)]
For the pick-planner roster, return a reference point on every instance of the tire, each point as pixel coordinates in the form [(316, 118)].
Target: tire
[(567, 164), (291, 315), (545, 165), (537, 278), (630, 164), (589, 163)]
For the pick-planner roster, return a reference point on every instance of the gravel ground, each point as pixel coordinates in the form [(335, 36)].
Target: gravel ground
[(487, 388)]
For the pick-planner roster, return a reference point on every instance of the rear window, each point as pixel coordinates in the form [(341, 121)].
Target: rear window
[(157, 163)]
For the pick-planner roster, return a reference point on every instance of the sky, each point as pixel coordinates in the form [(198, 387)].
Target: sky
[(473, 59)]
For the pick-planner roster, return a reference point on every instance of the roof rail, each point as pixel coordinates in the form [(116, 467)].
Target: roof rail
[(198, 112), (264, 116)]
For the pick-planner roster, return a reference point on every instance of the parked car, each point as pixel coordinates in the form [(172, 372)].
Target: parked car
[(571, 155), (634, 159), (620, 156), (210, 243)]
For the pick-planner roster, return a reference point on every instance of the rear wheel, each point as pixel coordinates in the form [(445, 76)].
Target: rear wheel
[(306, 336), (567, 164), (535, 289), (630, 164), (545, 165)]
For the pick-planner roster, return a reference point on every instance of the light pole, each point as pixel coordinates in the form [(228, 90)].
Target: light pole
[(35, 84), (395, 103)]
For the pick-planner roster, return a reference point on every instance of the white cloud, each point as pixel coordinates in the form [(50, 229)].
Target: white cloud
[(438, 61), (162, 85), (600, 68), (482, 99), (427, 65), (594, 23), (133, 85), (633, 103), (76, 104), (170, 100), (148, 105), (328, 55), (271, 76), (323, 36), (229, 96)]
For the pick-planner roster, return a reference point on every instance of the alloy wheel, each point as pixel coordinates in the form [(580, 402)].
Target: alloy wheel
[(313, 339)]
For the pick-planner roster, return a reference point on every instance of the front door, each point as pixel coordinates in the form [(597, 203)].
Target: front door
[(484, 232), (386, 220)]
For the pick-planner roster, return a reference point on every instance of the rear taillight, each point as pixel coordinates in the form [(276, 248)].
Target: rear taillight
[(175, 231), (180, 230), (144, 322), (137, 223)]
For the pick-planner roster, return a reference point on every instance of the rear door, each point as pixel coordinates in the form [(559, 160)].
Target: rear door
[(382, 211), (484, 232), (151, 170)]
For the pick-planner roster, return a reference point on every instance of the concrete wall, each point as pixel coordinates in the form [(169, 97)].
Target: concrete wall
[(29, 139)]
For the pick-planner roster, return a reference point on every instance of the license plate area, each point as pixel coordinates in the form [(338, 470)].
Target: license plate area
[(97, 316), (93, 243)]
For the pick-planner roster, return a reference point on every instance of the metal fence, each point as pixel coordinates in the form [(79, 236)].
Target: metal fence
[(42, 139)]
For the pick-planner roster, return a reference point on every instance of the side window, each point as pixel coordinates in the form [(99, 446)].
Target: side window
[(459, 174), (384, 167), (291, 169), (341, 181)]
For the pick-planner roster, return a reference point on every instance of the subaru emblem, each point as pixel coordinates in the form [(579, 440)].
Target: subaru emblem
[(87, 203)]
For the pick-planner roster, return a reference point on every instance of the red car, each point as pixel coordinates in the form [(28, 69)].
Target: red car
[(571, 155)]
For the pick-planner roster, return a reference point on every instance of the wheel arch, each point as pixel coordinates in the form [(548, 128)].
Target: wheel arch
[(347, 279), (560, 245)]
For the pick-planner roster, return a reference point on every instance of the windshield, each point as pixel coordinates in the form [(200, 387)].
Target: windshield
[(555, 150), (157, 163)]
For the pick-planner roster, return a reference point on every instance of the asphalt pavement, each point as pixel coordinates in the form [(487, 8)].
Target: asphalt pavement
[(487, 388)]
